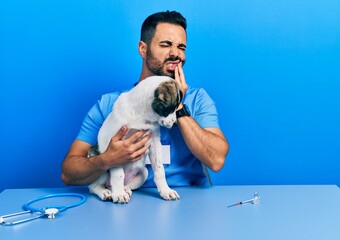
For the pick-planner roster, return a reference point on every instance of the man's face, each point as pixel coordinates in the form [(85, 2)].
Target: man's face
[(167, 50)]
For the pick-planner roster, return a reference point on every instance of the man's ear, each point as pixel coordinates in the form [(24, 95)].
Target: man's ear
[(142, 47)]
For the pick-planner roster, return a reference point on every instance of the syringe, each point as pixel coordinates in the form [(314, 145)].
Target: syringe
[(254, 200)]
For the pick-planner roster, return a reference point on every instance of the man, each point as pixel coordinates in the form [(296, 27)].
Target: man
[(197, 140)]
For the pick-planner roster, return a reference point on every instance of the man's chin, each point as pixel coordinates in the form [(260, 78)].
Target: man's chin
[(170, 74), (167, 73)]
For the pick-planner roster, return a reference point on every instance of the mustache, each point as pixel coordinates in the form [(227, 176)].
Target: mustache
[(172, 59)]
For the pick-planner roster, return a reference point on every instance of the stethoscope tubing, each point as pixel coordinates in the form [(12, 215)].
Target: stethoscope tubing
[(27, 206)]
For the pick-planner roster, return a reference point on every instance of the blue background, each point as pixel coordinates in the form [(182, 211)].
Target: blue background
[(271, 66)]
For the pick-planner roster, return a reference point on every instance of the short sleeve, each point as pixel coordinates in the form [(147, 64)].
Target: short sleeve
[(202, 108), (95, 118)]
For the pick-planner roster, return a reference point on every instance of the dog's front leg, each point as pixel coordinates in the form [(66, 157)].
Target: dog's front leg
[(155, 155), (119, 195), (98, 188)]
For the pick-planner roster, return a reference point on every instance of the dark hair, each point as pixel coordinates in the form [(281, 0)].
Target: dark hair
[(151, 22)]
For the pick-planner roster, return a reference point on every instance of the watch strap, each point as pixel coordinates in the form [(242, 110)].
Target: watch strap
[(183, 112)]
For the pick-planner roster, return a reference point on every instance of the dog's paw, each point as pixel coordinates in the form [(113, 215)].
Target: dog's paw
[(169, 194), (104, 194), (123, 197), (128, 190)]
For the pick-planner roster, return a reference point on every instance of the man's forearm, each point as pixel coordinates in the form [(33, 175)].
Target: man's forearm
[(208, 145), (79, 170)]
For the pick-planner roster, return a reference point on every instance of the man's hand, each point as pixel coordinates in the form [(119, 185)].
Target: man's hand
[(180, 79), (122, 150)]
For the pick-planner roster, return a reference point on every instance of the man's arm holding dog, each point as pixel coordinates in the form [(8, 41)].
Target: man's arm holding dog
[(79, 169), (208, 144)]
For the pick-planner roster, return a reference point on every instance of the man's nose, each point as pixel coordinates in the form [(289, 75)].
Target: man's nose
[(174, 51)]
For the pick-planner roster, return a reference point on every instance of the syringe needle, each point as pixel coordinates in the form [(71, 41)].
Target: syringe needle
[(235, 204)]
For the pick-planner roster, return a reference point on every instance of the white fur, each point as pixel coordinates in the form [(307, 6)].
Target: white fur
[(134, 109)]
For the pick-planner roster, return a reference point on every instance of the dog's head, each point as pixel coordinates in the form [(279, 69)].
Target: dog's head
[(167, 97)]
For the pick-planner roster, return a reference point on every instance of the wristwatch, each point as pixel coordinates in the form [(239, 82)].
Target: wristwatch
[(183, 112)]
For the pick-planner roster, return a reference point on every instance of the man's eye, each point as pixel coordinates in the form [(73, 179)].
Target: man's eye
[(183, 47), (165, 45)]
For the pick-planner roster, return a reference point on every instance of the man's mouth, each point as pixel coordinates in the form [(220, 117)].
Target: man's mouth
[(172, 64)]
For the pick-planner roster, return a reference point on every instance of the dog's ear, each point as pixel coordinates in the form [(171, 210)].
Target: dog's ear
[(179, 94), (158, 104)]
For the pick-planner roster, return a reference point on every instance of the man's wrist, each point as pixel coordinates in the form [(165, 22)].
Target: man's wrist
[(183, 112)]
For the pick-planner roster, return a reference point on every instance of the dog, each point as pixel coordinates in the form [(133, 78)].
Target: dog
[(147, 106)]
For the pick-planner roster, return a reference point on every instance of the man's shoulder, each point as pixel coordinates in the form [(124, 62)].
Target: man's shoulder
[(104, 104), (112, 96), (109, 98), (194, 93)]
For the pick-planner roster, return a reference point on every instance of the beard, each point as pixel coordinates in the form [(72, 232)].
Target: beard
[(157, 67)]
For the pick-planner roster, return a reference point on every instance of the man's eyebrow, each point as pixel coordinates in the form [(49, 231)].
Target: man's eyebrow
[(166, 41)]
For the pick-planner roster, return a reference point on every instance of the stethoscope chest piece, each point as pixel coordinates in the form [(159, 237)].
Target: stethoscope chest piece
[(51, 212)]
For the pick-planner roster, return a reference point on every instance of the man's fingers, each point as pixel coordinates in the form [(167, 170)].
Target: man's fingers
[(181, 72), (180, 78), (137, 136), (137, 155), (142, 141), (140, 146), (120, 134)]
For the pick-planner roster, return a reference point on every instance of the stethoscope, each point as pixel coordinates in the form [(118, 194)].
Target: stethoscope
[(49, 211)]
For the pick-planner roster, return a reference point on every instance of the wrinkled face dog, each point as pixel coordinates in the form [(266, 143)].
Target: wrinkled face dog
[(151, 103)]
